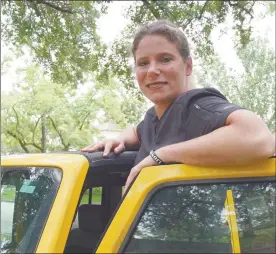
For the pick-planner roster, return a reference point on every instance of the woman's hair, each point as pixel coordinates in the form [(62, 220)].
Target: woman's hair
[(164, 28)]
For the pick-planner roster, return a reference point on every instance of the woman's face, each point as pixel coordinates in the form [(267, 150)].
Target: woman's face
[(160, 70)]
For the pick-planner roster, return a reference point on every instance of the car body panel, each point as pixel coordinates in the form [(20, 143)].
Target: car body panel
[(74, 169), (152, 177)]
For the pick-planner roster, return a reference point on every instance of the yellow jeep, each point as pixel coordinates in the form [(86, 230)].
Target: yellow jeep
[(73, 203)]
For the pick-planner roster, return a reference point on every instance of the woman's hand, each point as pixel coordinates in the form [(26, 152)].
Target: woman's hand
[(147, 162), (118, 146), (127, 140)]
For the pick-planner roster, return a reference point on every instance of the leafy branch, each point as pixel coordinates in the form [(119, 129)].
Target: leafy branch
[(35, 145), (35, 4), (35, 128), (240, 5), (66, 146), (17, 122), (151, 8), (83, 120), (184, 25), (56, 7), (21, 142)]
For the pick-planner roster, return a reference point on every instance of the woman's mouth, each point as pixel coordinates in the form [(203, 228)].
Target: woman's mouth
[(156, 85)]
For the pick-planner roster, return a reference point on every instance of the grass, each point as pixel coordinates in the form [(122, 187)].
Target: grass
[(5, 238), (8, 194), (261, 237), (96, 196)]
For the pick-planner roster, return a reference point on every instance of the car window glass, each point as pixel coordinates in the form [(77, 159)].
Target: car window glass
[(27, 194), (213, 218), (7, 209), (96, 197)]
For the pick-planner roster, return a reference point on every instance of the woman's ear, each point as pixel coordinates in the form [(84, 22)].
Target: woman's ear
[(189, 66)]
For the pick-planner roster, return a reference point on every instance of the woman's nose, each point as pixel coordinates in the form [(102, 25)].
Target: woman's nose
[(153, 69)]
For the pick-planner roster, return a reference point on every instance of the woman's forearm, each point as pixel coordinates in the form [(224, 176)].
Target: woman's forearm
[(232, 144)]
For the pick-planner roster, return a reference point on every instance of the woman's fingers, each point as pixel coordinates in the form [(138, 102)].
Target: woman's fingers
[(87, 149), (131, 177), (93, 148), (107, 148), (120, 148)]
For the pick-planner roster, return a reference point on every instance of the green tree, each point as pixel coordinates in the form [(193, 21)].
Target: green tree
[(197, 18), (62, 35), (39, 115), (271, 6), (253, 87)]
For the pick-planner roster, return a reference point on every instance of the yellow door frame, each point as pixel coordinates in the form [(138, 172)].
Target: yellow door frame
[(152, 177), (74, 168)]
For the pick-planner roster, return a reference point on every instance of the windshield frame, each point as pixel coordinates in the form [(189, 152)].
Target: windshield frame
[(74, 168)]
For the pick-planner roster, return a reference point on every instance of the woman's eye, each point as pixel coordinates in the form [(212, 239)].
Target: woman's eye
[(166, 59), (142, 63)]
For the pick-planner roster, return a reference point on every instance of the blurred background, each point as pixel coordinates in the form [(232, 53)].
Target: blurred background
[(67, 75)]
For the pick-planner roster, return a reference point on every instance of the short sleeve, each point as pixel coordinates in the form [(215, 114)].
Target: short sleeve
[(139, 130), (218, 109)]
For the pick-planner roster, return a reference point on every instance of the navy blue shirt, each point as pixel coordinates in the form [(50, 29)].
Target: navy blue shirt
[(193, 114)]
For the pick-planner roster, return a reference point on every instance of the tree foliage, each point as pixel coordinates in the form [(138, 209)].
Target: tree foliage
[(61, 34), (197, 18), (39, 115)]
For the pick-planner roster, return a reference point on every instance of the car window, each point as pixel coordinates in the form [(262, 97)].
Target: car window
[(92, 196), (27, 194), (7, 209), (209, 218)]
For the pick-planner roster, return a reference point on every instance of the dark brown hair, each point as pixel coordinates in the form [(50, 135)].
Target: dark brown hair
[(164, 28)]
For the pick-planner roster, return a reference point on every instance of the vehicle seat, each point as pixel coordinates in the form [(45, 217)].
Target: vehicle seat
[(85, 238)]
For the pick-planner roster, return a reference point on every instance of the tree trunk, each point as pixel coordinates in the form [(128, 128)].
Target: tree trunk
[(43, 134)]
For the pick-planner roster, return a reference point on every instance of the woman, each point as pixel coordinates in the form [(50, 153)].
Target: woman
[(197, 127)]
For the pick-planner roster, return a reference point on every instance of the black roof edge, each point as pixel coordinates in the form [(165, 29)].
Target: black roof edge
[(111, 163)]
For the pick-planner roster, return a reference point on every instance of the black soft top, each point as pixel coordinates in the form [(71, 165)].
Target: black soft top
[(110, 164)]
